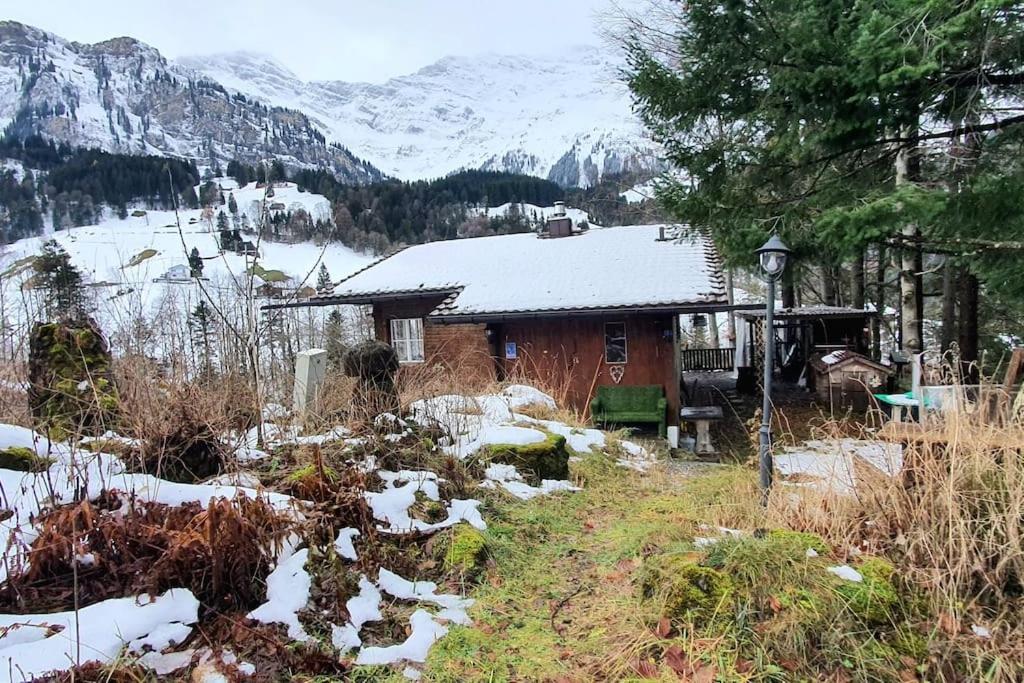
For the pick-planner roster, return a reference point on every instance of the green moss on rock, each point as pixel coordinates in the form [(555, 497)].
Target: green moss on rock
[(691, 592), (21, 459), (71, 391), (466, 549), (547, 459), (875, 598)]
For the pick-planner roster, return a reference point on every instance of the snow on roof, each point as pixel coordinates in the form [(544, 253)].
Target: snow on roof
[(617, 267), (810, 312)]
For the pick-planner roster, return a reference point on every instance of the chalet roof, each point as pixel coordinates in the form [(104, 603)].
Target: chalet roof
[(617, 268)]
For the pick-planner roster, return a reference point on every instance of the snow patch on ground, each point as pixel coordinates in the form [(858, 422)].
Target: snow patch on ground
[(287, 593), (508, 478), (34, 644), (828, 465)]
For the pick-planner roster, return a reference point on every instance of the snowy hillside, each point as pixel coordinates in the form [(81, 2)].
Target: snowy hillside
[(126, 262), (104, 252), (564, 117)]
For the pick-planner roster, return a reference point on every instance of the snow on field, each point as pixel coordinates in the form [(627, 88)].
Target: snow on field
[(146, 626), (639, 193), (828, 464), (122, 258)]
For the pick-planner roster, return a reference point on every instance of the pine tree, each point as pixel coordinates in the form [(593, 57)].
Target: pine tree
[(222, 221), (334, 339), (842, 126), (323, 280), (195, 263), (62, 282), (209, 194), (200, 324), (232, 204)]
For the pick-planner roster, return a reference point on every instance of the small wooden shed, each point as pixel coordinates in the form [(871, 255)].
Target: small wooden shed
[(846, 378)]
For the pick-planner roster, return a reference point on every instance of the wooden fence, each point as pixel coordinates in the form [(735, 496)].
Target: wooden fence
[(698, 360)]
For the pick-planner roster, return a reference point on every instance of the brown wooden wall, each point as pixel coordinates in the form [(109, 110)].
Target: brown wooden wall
[(462, 349), (567, 354), (564, 356)]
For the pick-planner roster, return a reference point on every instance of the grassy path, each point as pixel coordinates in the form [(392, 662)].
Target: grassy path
[(558, 601)]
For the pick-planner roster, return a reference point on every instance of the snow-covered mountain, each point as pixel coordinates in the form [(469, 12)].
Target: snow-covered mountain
[(563, 117), (122, 95)]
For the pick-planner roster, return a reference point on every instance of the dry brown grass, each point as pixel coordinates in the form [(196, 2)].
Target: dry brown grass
[(952, 523)]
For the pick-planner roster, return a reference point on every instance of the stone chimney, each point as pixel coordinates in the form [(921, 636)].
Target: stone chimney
[(559, 224)]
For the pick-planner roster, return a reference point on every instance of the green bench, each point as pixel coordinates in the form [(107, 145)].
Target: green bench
[(619, 405)]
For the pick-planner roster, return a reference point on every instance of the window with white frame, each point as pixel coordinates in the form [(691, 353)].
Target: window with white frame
[(407, 338)]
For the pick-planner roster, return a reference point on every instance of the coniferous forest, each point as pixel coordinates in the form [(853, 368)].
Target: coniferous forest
[(71, 186)]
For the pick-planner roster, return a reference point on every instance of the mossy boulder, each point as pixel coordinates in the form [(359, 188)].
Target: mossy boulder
[(691, 591), (71, 388), (875, 598), (547, 459), (465, 549), (21, 459)]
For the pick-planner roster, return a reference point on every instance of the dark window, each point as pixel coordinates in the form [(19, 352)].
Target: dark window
[(615, 342)]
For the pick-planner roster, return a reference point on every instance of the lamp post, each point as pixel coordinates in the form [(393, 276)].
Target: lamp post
[(772, 256)]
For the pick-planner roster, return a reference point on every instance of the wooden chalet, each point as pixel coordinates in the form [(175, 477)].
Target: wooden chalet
[(573, 308)]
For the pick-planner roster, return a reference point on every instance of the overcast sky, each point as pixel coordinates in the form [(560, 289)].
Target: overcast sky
[(367, 40)]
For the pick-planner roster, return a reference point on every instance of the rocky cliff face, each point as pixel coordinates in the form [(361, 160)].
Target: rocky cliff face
[(121, 95)]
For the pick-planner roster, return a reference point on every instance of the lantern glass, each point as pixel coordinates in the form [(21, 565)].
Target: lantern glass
[(773, 262), (773, 255)]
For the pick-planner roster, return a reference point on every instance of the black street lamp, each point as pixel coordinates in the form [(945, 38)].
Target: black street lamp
[(772, 255)]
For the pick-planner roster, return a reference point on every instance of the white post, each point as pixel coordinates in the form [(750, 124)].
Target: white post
[(310, 367)]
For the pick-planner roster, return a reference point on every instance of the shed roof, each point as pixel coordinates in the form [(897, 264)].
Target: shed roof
[(843, 357), (810, 312), (615, 268)]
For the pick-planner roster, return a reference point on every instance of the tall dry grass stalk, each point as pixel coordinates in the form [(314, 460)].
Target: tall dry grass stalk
[(952, 521)]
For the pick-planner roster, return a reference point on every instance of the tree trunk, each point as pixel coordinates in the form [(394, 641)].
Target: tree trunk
[(857, 281), (876, 322), (910, 313), (788, 289), (713, 331), (968, 299), (828, 285), (949, 296)]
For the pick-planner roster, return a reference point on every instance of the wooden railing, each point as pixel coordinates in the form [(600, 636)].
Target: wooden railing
[(696, 360)]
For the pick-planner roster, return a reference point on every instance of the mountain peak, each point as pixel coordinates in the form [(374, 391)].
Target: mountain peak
[(238, 60), (562, 116)]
